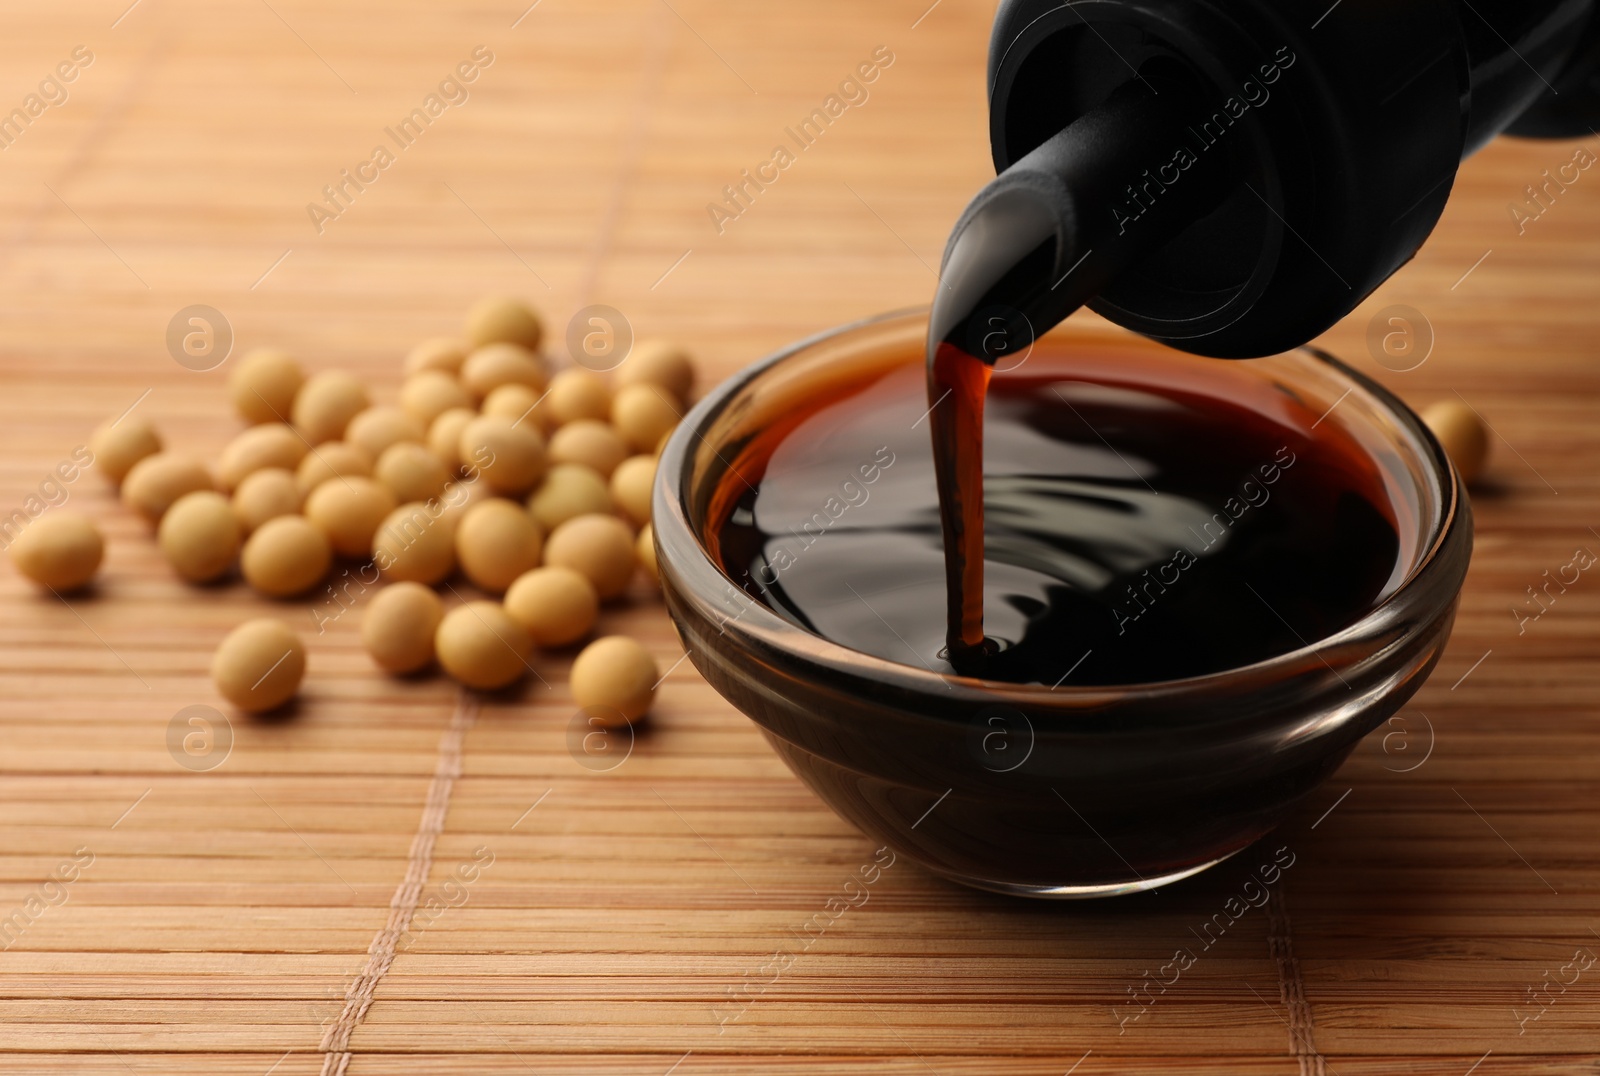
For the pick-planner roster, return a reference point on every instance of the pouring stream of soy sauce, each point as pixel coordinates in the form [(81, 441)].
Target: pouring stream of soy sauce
[(1039, 241)]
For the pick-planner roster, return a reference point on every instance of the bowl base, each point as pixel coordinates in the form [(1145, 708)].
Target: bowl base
[(1085, 892)]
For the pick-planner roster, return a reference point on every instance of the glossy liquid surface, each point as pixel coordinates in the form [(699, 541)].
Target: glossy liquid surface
[(1144, 519)]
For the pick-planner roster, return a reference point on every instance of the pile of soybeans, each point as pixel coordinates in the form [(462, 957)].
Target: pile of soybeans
[(535, 488)]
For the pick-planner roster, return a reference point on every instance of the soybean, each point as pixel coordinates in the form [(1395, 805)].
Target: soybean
[(614, 680), (414, 544), (569, 490), (555, 606), (656, 362), (271, 444), (349, 511), (429, 394), (481, 647), (264, 384), (600, 548), (493, 365), (643, 415), (259, 665), (594, 444), (412, 472), (285, 556), (60, 550), (509, 458), (335, 459), (1463, 434), (444, 436), (518, 403), (399, 624), (117, 446), (436, 353), (497, 541), (326, 403), (376, 428), (631, 485), (577, 394), (645, 549), (500, 319), (200, 536), (266, 494), (156, 481)]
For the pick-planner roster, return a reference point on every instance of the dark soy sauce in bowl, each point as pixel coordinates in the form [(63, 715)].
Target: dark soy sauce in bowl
[(1145, 517)]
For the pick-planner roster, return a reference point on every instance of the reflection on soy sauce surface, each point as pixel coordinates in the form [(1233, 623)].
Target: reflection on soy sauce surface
[(1143, 520)]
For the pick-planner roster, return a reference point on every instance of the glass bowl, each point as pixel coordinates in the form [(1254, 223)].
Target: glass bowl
[(1071, 791)]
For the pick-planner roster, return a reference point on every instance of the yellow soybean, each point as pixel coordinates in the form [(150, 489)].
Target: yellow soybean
[(117, 447), (350, 511), (376, 428), (497, 541), (507, 457), (429, 394), (1463, 434), (259, 665), (518, 403), (481, 647), (614, 680), (156, 481), (326, 403), (415, 544), (200, 536), (645, 548), (489, 367), (285, 556), (576, 394), (593, 444), (600, 548), (501, 319), (444, 436), (271, 444), (569, 490), (656, 362), (643, 415), (335, 459), (555, 606), (399, 625), (631, 485), (412, 472), (263, 386), (59, 550), (266, 494), (436, 353)]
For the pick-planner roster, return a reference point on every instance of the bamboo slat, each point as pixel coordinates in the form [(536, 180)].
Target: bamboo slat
[(623, 924)]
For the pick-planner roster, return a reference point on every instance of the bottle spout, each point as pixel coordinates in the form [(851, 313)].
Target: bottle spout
[(1054, 229)]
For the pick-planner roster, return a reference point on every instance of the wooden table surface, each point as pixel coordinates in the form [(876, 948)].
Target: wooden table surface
[(1446, 882)]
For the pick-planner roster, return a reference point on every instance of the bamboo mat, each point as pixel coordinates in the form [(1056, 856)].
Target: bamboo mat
[(573, 920)]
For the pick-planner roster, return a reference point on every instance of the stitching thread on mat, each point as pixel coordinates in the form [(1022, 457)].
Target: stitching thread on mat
[(335, 1045), (1291, 988)]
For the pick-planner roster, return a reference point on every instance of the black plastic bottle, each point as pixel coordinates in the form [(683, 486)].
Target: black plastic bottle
[(1229, 177), (1322, 141)]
